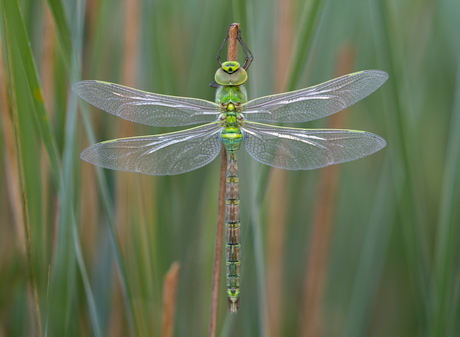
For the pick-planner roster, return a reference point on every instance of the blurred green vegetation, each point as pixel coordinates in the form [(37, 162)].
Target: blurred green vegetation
[(101, 242)]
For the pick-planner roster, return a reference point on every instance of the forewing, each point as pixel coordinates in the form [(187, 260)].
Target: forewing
[(166, 154), (144, 107), (315, 102), (304, 149)]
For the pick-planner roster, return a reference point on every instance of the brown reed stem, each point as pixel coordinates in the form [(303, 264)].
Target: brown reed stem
[(232, 55), (312, 321), (169, 299), (11, 164)]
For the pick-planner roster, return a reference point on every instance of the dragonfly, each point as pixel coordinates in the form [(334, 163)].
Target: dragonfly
[(233, 121)]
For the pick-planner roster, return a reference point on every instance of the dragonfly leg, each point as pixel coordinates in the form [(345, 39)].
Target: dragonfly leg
[(249, 57), (221, 47), (248, 54)]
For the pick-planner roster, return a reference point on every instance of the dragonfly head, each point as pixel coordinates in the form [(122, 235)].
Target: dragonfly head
[(230, 74)]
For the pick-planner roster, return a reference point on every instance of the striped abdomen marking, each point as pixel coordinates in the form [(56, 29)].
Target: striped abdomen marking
[(232, 233)]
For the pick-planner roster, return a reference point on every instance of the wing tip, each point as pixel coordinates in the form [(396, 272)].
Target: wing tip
[(383, 75), (76, 87), (86, 155), (372, 74)]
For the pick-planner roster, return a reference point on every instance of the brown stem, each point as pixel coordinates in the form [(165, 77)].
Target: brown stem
[(169, 299), (312, 320), (232, 55), (279, 187)]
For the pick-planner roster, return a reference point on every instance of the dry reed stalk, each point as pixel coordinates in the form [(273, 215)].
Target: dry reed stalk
[(312, 319), (169, 299), (277, 218), (125, 182), (47, 76), (89, 196), (277, 222), (11, 163), (232, 55)]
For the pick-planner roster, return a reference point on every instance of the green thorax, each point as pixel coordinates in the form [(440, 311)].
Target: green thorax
[(235, 94), (231, 95)]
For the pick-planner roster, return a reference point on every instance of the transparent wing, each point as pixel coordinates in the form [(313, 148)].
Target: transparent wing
[(304, 149), (315, 102), (166, 154), (144, 107)]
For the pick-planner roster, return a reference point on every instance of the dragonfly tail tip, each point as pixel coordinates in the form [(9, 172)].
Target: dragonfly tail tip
[(233, 304)]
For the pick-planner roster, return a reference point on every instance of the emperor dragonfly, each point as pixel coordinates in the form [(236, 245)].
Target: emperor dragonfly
[(232, 121)]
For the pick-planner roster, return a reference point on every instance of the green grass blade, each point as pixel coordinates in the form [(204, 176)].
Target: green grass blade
[(65, 39), (15, 23), (373, 256), (403, 149), (60, 18), (311, 17), (445, 306), (25, 191), (259, 252), (309, 26), (108, 207)]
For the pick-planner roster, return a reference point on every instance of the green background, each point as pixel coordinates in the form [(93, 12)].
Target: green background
[(369, 248)]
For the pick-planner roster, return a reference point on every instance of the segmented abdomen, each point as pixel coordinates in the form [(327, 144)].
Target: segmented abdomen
[(232, 236)]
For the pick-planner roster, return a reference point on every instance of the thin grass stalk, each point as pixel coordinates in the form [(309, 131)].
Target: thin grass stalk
[(445, 306), (263, 295), (232, 55), (67, 258), (64, 35), (308, 30), (277, 224), (114, 239), (218, 249), (124, 186), (124, 193), (24, 201), (311, 16), (322, 226), (11, 163), (63, 31), (373, 256), (48, 59), (401, 146), (13, 17), (68, 184), (279, 193), (170, 283)]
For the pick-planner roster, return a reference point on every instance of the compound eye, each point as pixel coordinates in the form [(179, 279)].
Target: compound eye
[(230, 66), (239, 77)]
